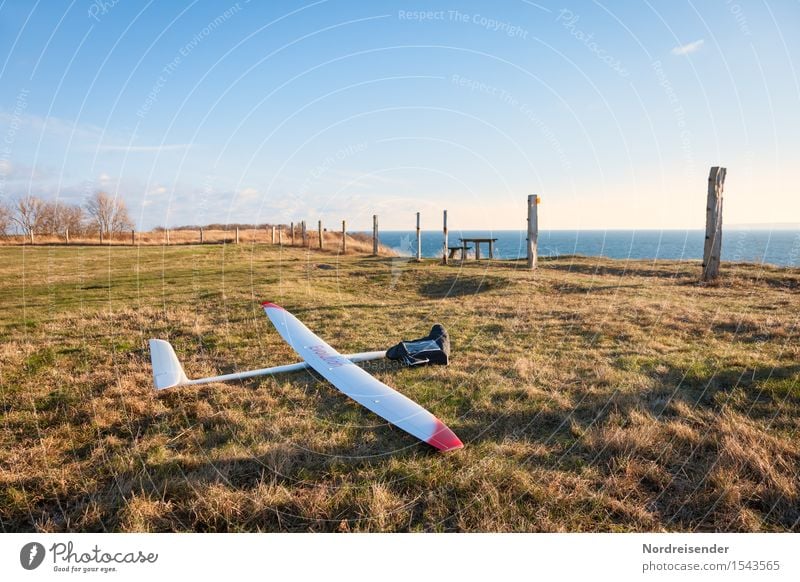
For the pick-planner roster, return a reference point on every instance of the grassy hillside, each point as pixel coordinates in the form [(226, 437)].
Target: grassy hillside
[(594, 395), (357, 242)]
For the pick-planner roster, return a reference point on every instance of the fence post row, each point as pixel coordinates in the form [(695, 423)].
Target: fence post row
[(712, 248)]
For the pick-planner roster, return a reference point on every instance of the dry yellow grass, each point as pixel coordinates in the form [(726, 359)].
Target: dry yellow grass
[(593, 395), (357, 243)]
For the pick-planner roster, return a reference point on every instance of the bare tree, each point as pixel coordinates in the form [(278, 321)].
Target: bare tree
[(51, 217), (59, 218), (109, 213), (5, 219), (28, 212), (73, 219), (122, 220)]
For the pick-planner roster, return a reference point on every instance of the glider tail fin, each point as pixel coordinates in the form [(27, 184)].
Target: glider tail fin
[(167, 370)]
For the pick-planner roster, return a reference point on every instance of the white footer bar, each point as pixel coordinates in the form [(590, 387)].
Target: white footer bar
[(355, 557)]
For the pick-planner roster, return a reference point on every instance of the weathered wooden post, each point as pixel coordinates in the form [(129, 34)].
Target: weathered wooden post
[(344, 237), (201, 235), (291, 228), (66, 235), (713, 244), (419, 241), (273, 234), (167, 236), (533, 231), (375, 234), (319, 229), (303, 232), (237, 235), (280, 235), (444, 247), (133, 237)]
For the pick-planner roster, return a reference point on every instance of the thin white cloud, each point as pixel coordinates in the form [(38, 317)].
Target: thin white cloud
[(145, 148), (691, 47), (52, 125), (87, 133)]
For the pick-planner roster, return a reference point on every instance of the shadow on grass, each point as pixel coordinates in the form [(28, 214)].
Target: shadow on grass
[(676, 272), (460, 286), (700, 385), (568, 288)]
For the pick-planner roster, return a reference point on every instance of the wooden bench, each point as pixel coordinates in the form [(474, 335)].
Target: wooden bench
[(462, 248), (477, 242)]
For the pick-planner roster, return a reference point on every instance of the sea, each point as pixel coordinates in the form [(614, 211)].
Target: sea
[(772, 247)]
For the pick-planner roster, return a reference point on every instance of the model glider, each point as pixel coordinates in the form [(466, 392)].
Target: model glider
[(340, 370)]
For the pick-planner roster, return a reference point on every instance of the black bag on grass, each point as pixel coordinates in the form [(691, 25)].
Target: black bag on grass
[(431, 349)]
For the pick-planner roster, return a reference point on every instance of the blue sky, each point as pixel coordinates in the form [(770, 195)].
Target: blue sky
[(203, 112)]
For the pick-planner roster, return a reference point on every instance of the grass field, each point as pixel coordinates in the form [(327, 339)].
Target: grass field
[(593, 395), (356, 242)]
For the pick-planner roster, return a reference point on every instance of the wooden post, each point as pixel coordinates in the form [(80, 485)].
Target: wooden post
[(444, 248), (133, 237), (419, 241), (375, 234), (533, 231), (101, 236), (273, 234), (237, 235), (303, 232), (280, 235), (291, 228), (319, 229), (167, 236), (201, 235), (713, 243), (344, 237), (66, 235)]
